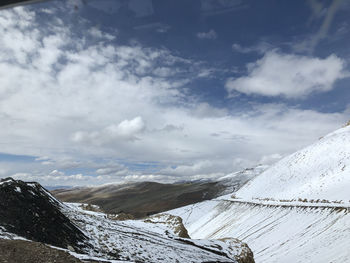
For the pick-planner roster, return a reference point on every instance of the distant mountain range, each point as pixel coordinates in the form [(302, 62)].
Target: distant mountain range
[(146, 198)]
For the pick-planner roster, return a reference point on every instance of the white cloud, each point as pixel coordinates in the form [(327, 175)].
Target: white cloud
[(113, 170), (164, 72), (200, 167), (127, 130), (47, 163), (193, 153), (47, 11), (261, 47), (211, 34), (42, 158), (95, 32), (58, 178), (204, 110), (291, 76)]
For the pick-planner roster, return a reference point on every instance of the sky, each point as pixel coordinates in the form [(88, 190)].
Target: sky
[(108, 91)]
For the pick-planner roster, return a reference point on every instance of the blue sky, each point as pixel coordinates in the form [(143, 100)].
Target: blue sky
[(101, 91)]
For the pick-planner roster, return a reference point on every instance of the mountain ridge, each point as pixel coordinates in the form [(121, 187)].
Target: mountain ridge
[(319, 171)]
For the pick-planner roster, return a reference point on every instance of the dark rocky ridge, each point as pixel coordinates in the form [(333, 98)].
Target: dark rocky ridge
[(28, 210)]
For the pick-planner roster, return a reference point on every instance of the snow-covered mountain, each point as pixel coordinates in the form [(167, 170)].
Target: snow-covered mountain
[(232, 182), (298, 210), (30, 212), (320, 171)]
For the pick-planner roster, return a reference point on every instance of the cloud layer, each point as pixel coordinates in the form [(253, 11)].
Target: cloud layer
[(95, 110)]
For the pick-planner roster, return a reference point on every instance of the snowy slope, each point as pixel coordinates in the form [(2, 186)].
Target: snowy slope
[(155, 239), (320, 171), (141, 242), (234, 181), (275, 233)]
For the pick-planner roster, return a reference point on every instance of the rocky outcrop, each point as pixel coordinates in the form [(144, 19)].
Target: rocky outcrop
[(28, 210), (170, 222), (120, 216), (242, 253)]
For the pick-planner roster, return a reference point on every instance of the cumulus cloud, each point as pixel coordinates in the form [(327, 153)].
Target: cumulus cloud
[(288, 75), (127, 130), (211, 34)]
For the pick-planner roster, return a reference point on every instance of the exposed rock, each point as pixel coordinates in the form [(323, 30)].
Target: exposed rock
[(171, 222), (121, 216), (28, 210), (90, 207), (245, 254), (21, 251)]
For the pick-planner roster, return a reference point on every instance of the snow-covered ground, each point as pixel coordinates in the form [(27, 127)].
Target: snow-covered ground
[(320, 171), (142, 241), (274, 233), (137, 240), (234, 181), (160, 238)]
